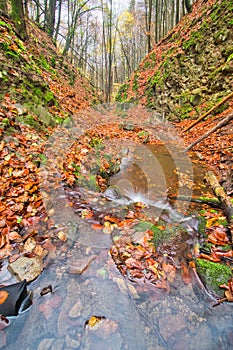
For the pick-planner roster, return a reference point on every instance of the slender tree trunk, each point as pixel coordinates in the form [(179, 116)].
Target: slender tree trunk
[(148, 21), (188, 5), (51, 17), (110, 55), (17, 14), (26, 12), (58, 21), (156, 21), (177, 11)]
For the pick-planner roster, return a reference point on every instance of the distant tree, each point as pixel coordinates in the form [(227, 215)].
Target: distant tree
[(188, 5), (17, 14), (148, 16), (51, 17)]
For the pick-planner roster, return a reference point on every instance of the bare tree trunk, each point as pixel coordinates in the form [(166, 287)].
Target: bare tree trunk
[(110, 55), (58, 21), (18, 17), (51, 17), (188, 5), (148, 21), (177, 11)]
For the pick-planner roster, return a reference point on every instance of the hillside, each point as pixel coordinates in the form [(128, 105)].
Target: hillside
[(190, 70), (37, 76), (39, 91)]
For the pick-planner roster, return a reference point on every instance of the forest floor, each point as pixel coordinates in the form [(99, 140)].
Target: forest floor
[(27, 225)]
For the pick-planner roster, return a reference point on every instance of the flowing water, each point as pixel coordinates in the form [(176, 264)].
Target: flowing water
[(93, 307)]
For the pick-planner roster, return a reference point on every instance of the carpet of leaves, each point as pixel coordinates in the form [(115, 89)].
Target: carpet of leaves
[(26, 228)]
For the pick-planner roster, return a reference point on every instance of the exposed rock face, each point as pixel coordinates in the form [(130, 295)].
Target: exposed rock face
[(190, 69)]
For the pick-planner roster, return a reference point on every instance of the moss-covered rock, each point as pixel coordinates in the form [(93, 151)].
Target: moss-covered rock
[(213, 275), (162, 232)]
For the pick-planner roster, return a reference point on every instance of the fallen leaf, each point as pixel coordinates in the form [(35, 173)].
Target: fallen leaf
[(97, 226), (3, 296)]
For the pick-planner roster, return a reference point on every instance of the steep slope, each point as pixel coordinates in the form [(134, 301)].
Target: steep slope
[(38, 91), (190, 70), (35, 75)]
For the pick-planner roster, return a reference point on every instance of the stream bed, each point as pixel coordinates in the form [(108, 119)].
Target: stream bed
[(92, 306)]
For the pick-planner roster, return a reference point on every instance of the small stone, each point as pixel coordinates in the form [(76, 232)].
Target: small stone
[(26, 268), (30, 244), (80, 265)]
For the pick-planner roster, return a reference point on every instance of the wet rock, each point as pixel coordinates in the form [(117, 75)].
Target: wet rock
[(213, 275), (72, 343), (112, 193), (21, 110), (80, 265), (199, 339), (45, 344), (171, 324), (76, 310), (26, 268), (63, 323), (30, 244), (128, 126)]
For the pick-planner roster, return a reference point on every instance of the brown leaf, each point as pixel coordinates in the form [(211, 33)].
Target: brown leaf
[(12, 235), (218, 236), (229, 295)]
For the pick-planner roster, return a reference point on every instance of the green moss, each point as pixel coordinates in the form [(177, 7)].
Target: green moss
[(201, 225), (122, 93), (213, 275), (31, 121), (149, 62), (4, 24), (156, 79), (195, 37), (162, 232), (48, 96), (230, 57), (135, 82)]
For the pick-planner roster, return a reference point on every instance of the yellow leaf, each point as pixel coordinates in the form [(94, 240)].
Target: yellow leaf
[(93, 321)]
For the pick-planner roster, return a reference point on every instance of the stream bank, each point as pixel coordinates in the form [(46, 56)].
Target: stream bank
[(107, 259)]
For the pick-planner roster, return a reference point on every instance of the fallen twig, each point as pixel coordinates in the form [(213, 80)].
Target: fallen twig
[(208, 112), (223, 199), (205, 200), (216, 127)]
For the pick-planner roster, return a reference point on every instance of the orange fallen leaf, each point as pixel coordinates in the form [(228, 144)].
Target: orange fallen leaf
[(97, 226), (229, 295), (218, 236), (210, 257), (111, 219), (185, 274), (3, 296)]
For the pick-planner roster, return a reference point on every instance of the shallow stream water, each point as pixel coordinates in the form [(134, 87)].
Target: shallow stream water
[(87, 285)]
